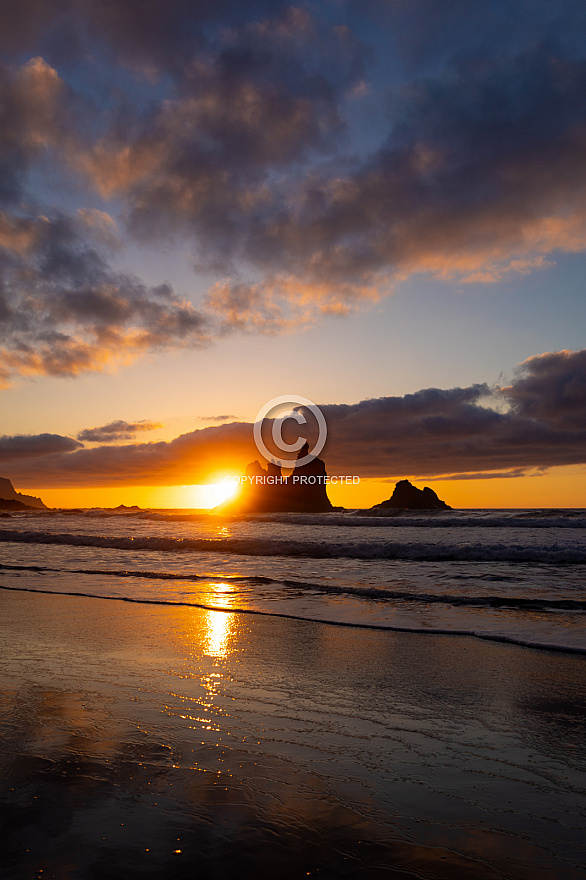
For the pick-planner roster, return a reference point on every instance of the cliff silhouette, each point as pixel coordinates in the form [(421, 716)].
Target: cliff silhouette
[(270, 491), (10, 499)]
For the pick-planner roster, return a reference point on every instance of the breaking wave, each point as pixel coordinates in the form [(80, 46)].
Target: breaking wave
[(422, 551)]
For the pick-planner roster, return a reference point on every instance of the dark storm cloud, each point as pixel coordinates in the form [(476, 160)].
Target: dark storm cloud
[(64, 310), (115, 431), (431, 433)]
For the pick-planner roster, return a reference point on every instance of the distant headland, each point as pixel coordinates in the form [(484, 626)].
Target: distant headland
[(10, 499)]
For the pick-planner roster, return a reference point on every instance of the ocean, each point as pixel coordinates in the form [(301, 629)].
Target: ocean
[(516, 576), (362, 717)]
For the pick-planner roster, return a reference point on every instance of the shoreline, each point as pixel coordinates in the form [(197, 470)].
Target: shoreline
[(488, 637), (345, 752)]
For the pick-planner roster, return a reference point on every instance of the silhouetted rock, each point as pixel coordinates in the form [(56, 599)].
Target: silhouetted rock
[(408, 497), (268, 491), (255, 469), (132, 507), (8, 493)]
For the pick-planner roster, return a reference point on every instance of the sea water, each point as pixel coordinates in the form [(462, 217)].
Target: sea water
[(507, 575)]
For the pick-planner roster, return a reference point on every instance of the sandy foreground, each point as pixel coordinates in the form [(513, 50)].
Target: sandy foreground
[(141, 741)]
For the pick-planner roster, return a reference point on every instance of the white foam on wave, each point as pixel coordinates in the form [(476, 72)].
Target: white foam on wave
[(422, 551)]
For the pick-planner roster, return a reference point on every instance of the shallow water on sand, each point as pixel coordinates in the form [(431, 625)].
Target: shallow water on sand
[(515, 576), (165, 741)]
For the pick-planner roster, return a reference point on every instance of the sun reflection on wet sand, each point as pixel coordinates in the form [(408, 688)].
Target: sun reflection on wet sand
[(131, 731), (219, 624)]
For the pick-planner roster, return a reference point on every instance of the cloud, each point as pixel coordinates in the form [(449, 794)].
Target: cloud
[(100, 226), (435, 431), (222, 156), (552, 386), (495, 475), (63, 310), (32, 446), (189, 458), (263, 100), (33, 118), (115, 431), (425, 34), (233, 127), (431, 433), (282, 304), (266, 99), (150, 38), (480, 175), (224, 418)]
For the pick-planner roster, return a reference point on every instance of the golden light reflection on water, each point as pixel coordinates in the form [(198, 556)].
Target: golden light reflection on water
[(219, 624)]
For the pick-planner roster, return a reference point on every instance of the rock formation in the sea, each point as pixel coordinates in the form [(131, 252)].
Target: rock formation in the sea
[(406, 496), (269, 491), (8, 493)]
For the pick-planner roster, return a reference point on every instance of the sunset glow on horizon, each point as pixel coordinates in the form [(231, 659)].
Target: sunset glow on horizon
[(562, 487)]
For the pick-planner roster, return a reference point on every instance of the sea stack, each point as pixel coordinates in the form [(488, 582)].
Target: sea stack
[(270, 491), (406, 496)]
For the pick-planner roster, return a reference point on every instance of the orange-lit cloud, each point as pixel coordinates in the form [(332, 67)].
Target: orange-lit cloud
[(189, 458), (282, 304), (430, 433), (63, 310)]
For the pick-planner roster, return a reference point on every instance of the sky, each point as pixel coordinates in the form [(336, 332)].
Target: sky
[(376, 205)]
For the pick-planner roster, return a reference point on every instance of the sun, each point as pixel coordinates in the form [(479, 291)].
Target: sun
[(213, 494)]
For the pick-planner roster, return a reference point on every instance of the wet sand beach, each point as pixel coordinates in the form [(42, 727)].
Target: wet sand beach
[(144, 741)]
